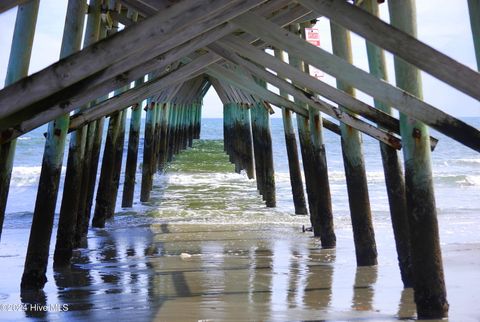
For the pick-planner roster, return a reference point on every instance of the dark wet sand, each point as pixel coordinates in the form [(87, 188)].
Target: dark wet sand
[(230, 272)]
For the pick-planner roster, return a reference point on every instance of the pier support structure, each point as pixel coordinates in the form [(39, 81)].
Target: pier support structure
[(314, 164), (363, 233), (34, 275), (18, 64), (474, 11), (429, 282), (394, 179), (262, 145), (295, 173), (132, 154)]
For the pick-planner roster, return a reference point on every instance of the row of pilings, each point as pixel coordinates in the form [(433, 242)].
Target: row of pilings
[(169, 129), (248, 142)]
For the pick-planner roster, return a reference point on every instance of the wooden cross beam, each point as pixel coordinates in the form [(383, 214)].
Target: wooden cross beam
[(399, 43), (381, 90)]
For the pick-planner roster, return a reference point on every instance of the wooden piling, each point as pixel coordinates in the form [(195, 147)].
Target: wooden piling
[(363, 233), (306, 149), (393, 171), (315, 168), (71, 198), (117, 171), (296, 181), (90, 166), (147, 175), (110, 170), (228, 130), (156, 138), (37, 256), (249, 163), (171, 131), (163, 151), (55, 146), (198, 120), (103, 199), (322, 223), (132, 154), (429, 283), (18, 64), (262, 142), (236, 138), (474, 12)]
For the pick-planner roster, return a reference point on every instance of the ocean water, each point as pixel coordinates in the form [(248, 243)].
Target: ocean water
[(206, 241), (456, 173)]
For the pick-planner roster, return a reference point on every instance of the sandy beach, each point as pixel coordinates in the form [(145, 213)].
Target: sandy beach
[(267, 272)]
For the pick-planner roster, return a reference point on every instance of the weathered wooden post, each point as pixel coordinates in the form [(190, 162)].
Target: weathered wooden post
[(72, 199), (322, 221), (228, 129), (178, 128), (191, 120), (258, 153), (90, 167), (117, 171), (55, 146), (156, 138), (363, 233), (183, 127), (147, 175), (198, 120), (104, 190), (296, 181), (323, 226), (263, 139), (36, 261), (392, 168), (249, 163), (236, 138), (18, 64), (163, 153), (132, 154), (111, 162), (474, 10), (429, 282), (315, 168), (171, 131)]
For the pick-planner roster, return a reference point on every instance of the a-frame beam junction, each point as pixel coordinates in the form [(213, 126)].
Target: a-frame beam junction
[(308, 99), (399, 43), (379, 89)]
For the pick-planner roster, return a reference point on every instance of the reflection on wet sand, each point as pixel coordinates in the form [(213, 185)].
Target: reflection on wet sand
[(363, 291), (179, 272)]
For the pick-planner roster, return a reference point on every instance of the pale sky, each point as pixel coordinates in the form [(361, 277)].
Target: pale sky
[(442, 24)]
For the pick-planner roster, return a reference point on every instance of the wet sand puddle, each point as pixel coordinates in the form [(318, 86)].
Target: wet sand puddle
[(208, 249)]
